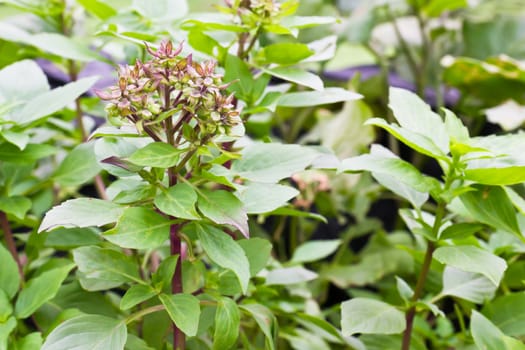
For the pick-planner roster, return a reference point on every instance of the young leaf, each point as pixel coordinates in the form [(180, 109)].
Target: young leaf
[(258, 251), (178, 201), (98, 8), (369, 316), (285, 53), (415, 115), (227, 322), (404, 290), (15, 205), (30, 342), (139, 228), (418, 142), (472, 259), (136, 294), (487, 336), (164, 274), (225, 252), (39, 290), (455, 128), (237, 69), (78, 167), (314, 250), (9, 278), (258, 198), (316, 98), (184, 310), (81, 212), (266, 321), (157, 155), (492, 206), (470, 286), (88, 332), (496, 171), (104, 268), (222, 207)]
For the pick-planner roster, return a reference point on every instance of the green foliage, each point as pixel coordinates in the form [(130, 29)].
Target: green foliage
[(229, 200)]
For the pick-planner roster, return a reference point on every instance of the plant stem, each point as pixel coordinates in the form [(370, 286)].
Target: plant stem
[(179, 341), (425, 268), (10, 241), (143, 312)]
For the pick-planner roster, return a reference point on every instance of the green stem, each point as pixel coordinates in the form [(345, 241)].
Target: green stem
[(425, 268), (142, 313)]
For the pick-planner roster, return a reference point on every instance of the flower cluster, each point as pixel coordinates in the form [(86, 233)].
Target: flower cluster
[(172, 87)]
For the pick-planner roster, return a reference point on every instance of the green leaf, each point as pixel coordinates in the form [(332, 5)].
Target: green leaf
[(285, 53), (470, 286), (472, 259), (102, 269), (369, 316), (257, 251), (5, 329), (314, 250), (53, 101), (460, 231), (6, 309), (15, 205), (98, 8), (222, 207), (162, 10), (22, 80), (30, 342), (380, 163), (136, 294), (318, 326), (298, 76), (227, 322), (487, 336), (455, 128), (316, 98), (135, 343), (435, 8), (67, 238), (418, 142), (19, 139), (88, 332), (9, 278), (164, 274), (139, 228), (225, 252), (178, 201), (30, 154), (237, 69), (62, 46), (496, 171), (507, 312), (258, 198), (266, 321), (39, 290), (157, 155), (271, 162), (492, 206), (289, 275), (78, 167), (184, 310), (404, 290), (415, 115), (81, 212)]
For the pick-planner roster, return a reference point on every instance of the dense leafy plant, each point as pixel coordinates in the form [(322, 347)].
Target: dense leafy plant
[(230, 200)]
